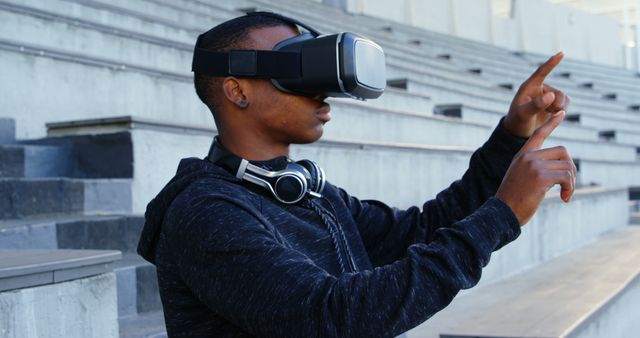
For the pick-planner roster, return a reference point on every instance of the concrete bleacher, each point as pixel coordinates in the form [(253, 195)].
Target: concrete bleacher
[(112, 111), (58, 293)]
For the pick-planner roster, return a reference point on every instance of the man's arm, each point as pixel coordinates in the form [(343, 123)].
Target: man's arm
[(387, 232), (236, 266)]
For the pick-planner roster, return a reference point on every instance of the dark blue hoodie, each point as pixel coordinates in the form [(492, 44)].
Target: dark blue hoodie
[(232, 261)]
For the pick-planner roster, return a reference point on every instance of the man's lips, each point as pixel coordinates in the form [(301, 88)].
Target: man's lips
[(323, 113)]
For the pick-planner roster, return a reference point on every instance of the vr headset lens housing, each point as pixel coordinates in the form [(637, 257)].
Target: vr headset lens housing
[(338, 65)]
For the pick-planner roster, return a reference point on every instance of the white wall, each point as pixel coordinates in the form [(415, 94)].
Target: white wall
[(434, 15), (546, 28), (537, 26)]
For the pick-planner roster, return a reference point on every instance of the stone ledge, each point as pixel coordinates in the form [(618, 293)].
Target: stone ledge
[(556, 299), (7, 130), (28, 268)]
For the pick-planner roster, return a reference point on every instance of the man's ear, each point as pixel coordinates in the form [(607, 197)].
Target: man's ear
[(234, 92)]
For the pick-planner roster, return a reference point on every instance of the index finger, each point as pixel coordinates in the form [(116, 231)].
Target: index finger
[(541, 73), (537, 139)]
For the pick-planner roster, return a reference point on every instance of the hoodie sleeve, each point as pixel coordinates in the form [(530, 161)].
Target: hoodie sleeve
[(240, 269), (387, 231)]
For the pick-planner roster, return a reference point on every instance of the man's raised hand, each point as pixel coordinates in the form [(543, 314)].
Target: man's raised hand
[(535, 101), (534, 171)]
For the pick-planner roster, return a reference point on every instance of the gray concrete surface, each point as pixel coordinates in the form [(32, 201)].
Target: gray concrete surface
[(80, 308), (7, 130), (22, 197), (589, 292)]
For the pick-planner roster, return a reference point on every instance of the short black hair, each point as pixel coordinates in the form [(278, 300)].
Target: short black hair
[(226, 36)]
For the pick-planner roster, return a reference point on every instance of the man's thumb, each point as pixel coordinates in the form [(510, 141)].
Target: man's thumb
[(537, 139)]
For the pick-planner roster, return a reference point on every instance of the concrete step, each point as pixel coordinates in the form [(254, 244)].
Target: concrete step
[(108, 232), (353, 23), (401, 100), (609, 174), (20, 197), (381, 125), (121, 46), (468, 53), (214, 9), (626, 91), (377, 28), (31, 233), (187, 88), (72, 34), (167, 11), (446, 90), (411, 70), (35, 161), (594, 71), (7, 130), (137, 286), (635, 218), (627, 126), (101, 155), (136, 278), (627, 137), (148, 325), (221, 8), (590, 292), (137, 281), (417, 69), (102, 14), (381, 101), (442, 163), (150, 93), (490, 118), (147, 3)]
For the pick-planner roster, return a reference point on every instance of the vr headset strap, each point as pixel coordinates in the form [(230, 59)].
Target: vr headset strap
[(251, 63)]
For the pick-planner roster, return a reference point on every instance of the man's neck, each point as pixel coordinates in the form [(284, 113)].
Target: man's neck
[(252, 147)]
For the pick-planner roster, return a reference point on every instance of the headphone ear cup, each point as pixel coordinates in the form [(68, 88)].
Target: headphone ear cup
[(296, 166), (316, 175)]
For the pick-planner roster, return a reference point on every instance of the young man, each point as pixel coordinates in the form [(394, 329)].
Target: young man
[(234, 260)]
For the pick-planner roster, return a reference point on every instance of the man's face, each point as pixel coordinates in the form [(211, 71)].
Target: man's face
[(280, 116)]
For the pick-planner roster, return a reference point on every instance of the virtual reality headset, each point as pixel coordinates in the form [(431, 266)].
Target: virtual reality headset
[(337, 65)]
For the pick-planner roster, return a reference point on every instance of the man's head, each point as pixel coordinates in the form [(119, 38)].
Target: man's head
[(249, 105)]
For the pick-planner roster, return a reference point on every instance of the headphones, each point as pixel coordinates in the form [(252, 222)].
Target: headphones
[(289, 185)]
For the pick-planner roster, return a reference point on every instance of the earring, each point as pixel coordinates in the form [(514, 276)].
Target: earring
[(244, 103)]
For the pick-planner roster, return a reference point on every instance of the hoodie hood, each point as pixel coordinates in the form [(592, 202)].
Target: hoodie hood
[(189, 171)]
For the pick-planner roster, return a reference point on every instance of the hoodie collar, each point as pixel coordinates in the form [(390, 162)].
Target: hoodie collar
[(224, 158)]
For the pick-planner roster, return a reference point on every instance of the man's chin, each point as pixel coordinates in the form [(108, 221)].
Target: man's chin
[(310, 138)]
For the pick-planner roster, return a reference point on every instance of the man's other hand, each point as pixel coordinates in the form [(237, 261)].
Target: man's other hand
[(535, 101), (534, 171)]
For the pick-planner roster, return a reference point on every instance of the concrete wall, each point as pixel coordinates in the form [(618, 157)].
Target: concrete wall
[(361, 170), (45, 90), (81, 308), (469, 19), (505, 33), (537, 26), (546, 28), (156, 158), (558, 228), (617, 318)]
